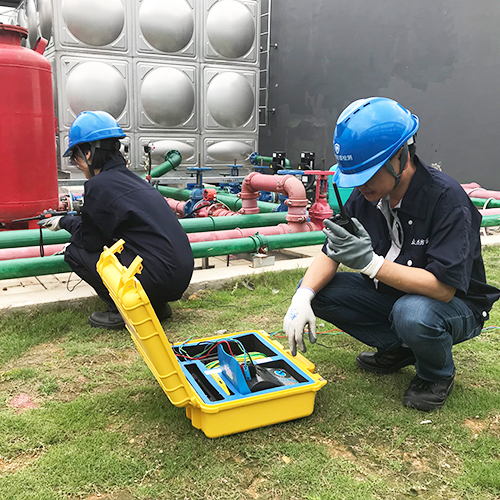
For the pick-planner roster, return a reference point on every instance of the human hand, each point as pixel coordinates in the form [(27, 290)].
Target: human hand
[(352, 250), (51, 223), (299, 315)]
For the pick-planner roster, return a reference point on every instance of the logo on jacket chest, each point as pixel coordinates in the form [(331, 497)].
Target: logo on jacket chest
[(419, 242)]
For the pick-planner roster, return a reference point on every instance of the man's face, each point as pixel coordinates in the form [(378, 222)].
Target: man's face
[(381, 184)]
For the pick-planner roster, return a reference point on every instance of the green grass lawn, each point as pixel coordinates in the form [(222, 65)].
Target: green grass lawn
[(82, 417)]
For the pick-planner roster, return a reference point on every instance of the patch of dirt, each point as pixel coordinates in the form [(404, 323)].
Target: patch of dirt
[(491, 424), (420, 464), (117, 495), (335, 449), (18, 463), (252, 489), (102, 373), (200, 294), (476, 426)]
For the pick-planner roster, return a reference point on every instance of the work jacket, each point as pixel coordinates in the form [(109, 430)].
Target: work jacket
[(119, 204), (440, 227)]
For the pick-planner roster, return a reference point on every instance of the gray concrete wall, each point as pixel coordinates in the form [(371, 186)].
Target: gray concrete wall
[(439, 58)]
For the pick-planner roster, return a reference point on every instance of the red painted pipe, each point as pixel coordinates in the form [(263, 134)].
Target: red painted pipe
[(215, 210), (489, 211), (476, 191), (176, 206), (289, 185), (231, 234), (26, 252)]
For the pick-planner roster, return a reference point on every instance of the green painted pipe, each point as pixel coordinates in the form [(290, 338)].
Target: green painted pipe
[(254, 243), (231, 200), (172, 161), (31, 237), (203, 224), (479, 202), (33, 266), (267, 160), (38, 266), (175, 193), (490, 220)]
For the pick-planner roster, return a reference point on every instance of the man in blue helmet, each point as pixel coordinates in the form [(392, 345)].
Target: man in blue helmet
[(119, 204), (420, 285)]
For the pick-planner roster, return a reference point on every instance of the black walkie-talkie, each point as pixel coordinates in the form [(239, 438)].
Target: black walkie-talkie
[(342, 219)]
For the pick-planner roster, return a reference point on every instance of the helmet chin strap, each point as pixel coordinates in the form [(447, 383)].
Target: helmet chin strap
[(402, 164), (93, 147)]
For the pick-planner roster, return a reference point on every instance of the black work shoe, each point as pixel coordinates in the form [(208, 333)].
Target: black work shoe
[(106, 319), (386, 362), (164, 312), (427, 396)]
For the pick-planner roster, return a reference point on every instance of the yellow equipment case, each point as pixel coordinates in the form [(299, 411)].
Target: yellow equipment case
[(226, 390)]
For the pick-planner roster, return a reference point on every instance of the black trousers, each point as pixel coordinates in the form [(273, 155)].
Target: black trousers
[(84, 264)]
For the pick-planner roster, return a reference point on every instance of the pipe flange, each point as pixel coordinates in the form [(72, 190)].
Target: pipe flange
[(252, 195), (297, 202), (296, 218)]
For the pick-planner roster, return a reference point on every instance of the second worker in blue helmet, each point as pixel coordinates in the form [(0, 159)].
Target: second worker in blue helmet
[(420, 285), (119, 204)]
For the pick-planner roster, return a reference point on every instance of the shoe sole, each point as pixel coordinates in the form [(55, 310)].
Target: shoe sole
[(95, 324), (427, 406), (381, 371)]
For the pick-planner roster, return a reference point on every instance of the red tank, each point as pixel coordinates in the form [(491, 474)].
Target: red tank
[(28, 168)]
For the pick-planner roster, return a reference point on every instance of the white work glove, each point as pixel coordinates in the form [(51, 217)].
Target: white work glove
[(299, 315), (51, 223), (352, 250)]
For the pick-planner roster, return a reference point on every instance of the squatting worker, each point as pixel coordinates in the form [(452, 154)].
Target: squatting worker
[(119, 204), (420, 285)]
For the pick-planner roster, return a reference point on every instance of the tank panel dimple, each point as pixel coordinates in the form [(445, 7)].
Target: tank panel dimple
[(230, 31), (230, 28), (222, 152), (229, 151), (230, 99), (94, 22), (94, 86), (166, 96), (163, 142), (90, 83), (161, 147), (166, 25)]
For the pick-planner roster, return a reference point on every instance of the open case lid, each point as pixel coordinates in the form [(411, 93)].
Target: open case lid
[(143, 324)]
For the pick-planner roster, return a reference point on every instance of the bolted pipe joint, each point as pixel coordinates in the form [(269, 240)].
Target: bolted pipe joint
[(297, 202), (296, 217)]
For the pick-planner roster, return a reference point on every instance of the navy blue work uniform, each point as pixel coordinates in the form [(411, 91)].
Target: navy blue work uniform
[(440, 228), (119, 204)]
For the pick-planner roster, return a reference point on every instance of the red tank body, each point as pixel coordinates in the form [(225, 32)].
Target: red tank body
[(28, 168)]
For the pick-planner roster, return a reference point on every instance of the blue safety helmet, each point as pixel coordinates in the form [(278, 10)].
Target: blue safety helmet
[(91, 126), (368, 134)]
